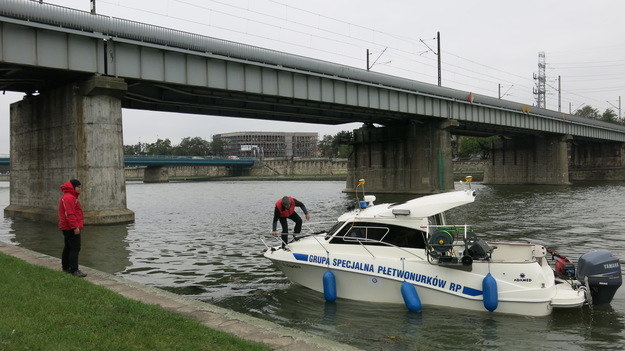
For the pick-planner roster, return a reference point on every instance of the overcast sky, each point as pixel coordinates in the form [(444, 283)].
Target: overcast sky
[(484, 44)]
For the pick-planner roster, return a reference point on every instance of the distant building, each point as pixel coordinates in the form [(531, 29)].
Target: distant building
[(269, 144)]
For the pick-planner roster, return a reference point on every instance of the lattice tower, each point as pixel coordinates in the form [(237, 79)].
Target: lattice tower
[(540, 78)]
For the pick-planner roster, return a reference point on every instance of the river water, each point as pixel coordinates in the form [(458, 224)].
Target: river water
[(202, 239)]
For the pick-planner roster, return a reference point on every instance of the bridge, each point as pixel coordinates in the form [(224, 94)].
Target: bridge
[(156, 170), (156, 166), (79, 70), (161, 161)]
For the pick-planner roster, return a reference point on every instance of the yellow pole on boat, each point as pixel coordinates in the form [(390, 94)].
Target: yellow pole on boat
[(361, 182), (468, 179)]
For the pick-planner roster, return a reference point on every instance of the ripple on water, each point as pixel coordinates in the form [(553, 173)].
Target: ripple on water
[(201, 239)]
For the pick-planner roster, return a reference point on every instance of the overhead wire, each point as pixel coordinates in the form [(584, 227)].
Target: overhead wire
[(412, 56), (234, 30), (413, 53), (585, 62), (411, 40)]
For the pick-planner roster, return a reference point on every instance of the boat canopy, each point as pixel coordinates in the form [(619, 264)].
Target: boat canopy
[(421, 207)]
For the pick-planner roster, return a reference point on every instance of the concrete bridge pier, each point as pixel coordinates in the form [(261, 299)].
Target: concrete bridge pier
[(591, 160), (405, 158), (73, 131), (529, 159), (156, 174)]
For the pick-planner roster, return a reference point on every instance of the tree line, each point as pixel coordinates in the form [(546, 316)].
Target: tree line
[(338, 145), (590, 112), (188, 147)]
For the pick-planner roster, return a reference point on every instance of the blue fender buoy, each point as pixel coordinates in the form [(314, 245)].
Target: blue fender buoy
[(411, 298), (329, 286), (489, 289)]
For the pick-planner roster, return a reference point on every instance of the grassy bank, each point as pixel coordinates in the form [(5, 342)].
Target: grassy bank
[(42, 309)]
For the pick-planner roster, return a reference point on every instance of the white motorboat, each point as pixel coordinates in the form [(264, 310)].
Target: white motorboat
[(406, 253)]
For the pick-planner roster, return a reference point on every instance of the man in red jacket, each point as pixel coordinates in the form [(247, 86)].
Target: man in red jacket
[(285, 208), (71, 222)]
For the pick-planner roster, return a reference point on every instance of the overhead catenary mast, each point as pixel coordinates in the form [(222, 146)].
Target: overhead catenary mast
[(437, 53)]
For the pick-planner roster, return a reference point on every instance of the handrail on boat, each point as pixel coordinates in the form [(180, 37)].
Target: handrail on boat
[(297, 237), (359, 240)]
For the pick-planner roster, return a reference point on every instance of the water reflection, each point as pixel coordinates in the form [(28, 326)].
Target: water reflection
[(593, 326), (102, 247), (329, 312)]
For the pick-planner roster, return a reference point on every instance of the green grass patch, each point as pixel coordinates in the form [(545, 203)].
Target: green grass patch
[(42, 309)]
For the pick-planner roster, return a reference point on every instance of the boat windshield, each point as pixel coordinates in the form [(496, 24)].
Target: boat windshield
[(333, 230), (379, 234)]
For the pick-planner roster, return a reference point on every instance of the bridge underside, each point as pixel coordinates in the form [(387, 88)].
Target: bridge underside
[(180, 98), (218, 102)]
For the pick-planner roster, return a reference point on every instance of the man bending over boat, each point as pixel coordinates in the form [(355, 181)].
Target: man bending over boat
[(285, 208)]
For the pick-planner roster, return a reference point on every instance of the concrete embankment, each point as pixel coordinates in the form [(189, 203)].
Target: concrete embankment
[(472, 168), (243, 326), (339, 172), (288, 169)]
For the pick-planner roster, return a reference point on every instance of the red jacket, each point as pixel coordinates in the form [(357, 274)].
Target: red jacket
[(70, 210), (285, 212)]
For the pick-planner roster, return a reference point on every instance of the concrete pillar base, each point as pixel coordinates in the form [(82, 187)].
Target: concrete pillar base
[(106, 217), (155, 175), (33, 213), (91, 217)]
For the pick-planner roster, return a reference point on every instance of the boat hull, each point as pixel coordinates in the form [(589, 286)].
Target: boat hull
[(372, 288), (375, 277)]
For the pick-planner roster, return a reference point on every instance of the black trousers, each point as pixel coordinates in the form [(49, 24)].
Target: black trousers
[(285, 227), (69, 258)]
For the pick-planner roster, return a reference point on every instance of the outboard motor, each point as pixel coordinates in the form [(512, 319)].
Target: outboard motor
[(603, 272)]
